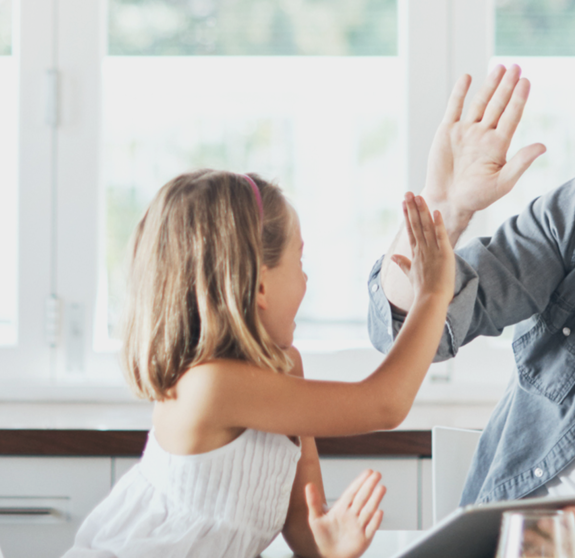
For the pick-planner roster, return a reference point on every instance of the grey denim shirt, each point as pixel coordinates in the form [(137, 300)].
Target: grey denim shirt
[(524, 275)]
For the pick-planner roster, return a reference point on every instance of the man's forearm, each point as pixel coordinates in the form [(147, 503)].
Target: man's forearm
[(394, 282)]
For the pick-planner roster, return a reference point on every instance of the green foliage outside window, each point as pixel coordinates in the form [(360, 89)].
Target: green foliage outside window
[(253, 27), (535, 28), (5, 27)]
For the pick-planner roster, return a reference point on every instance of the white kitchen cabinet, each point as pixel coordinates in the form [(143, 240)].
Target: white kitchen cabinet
[(400, 476), (121, 465), (43, 501), (425, 503)]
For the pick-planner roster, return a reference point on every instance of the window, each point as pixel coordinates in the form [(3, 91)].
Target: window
[(305, 95), (338, 100), (538, 37), (8, 178)]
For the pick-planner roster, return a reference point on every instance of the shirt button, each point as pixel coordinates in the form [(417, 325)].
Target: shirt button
[(374, 287), (538, 472), (566, 331)]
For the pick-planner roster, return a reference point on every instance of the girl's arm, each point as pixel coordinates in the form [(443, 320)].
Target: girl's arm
[(296, 531), (232, 394), (312, 531)]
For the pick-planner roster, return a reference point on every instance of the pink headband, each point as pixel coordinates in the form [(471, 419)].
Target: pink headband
[(256, 194)]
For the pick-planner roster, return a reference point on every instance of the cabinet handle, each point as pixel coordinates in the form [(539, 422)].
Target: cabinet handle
[(26, 511)]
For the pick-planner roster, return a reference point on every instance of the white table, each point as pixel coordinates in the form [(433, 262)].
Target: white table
[(385, 545)]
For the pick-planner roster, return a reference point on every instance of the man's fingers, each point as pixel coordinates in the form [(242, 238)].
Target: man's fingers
[(374, 524), (512, 115), (501, 97), (483, 96), (349, 493), (364, 492), (518, 164), (457, 99)]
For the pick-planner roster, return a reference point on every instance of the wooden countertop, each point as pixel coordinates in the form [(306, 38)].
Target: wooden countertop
[(130, 443)]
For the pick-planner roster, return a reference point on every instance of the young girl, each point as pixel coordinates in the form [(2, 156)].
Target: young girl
[(216, 282)]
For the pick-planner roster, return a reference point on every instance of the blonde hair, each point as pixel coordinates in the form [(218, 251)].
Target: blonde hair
[(194, 277)]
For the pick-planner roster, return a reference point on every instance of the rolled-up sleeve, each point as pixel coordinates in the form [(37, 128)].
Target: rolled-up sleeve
[(500, 280), (384, 323)]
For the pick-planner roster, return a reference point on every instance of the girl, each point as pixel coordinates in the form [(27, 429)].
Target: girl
[(216, 281)]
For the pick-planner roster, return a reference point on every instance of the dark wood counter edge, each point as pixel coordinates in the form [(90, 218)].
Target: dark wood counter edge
[(130, 443)]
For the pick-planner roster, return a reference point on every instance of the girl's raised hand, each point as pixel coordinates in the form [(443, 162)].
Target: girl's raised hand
[(347, 529), (432, 267)]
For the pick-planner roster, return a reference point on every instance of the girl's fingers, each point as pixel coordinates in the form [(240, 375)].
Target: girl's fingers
[(426, 221), (364, 492), (371, 505), (414, 219), (480, 101), (409, 230), (314, 503), (373, 525), (403, 263), (349, 493), (441, 235)]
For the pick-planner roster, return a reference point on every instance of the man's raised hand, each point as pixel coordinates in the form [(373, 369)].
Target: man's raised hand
[(468, 168)]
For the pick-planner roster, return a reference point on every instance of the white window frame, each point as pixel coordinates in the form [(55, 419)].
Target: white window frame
[(60, 198)]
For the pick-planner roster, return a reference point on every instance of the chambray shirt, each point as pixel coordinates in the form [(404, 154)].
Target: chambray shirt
[(524, 275)]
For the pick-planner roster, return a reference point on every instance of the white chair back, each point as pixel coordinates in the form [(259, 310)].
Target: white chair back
[(452, 450)]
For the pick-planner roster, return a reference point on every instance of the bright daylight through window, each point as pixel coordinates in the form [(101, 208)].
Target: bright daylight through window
[(538, 35), (306, 93)]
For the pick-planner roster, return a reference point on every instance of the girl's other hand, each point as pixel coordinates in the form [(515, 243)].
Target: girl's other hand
[(347, 529), (432, 267)]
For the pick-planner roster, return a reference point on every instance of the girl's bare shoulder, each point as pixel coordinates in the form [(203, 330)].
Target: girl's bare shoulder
[(211, 381)]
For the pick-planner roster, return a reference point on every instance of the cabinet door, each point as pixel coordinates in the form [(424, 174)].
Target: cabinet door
[(43, 501), (399, 475), (426, 510), (121, 465)]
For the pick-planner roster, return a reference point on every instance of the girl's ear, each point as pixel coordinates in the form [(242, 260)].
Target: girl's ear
[(261, 297)]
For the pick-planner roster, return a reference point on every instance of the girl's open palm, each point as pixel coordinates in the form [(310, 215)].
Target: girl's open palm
[(432, 267), (347, 529)]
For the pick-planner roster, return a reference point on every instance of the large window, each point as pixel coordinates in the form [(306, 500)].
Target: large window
[(103, 101), (538, 36), (308, 95)]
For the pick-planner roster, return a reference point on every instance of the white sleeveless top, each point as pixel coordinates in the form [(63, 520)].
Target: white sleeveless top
[(230, 502)]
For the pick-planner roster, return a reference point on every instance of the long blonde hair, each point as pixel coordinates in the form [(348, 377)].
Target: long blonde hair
[(194, 277)]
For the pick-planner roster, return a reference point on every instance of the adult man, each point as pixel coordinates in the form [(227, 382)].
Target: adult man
[(524, 274)]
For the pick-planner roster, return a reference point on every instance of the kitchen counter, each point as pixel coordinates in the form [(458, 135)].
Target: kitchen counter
[(384, 545), (84, 429)]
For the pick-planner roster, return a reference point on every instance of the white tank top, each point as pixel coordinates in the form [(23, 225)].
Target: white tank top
[(230, 502)]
